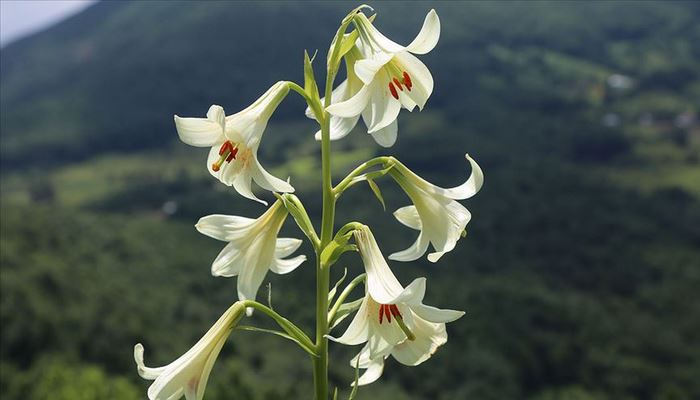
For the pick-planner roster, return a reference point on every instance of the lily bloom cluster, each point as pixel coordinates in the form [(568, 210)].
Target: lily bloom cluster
[(389, 319)]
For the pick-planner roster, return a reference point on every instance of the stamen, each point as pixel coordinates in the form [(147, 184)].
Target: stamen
[(387, 312), (381, 313), (393, 91), (407, 81), (398, 84), (227, 152), (395, 311)]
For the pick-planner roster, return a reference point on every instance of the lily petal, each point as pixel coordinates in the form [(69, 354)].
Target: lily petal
[(382, 285), (436, 315), (267, 181), (340, 127), (382, 111), (286, 246), (201, 132), (358, 330), (386, 137), (351, 107), (420, 76), (367, 68), (242, 183), (428, 36), (227, 263), (374, 367), (429, 337), (408, 216), (414, 252), (281, 266), (223, 227)]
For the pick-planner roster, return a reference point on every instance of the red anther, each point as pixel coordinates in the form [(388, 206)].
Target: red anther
[(407, 80), (387, 312), (393, 91), (232, 156), (227, 145), (215, 167), (398, 84), (395, 311), (381, 313)]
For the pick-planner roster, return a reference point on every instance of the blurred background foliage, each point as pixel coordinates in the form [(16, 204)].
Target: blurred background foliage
[(580, 272)]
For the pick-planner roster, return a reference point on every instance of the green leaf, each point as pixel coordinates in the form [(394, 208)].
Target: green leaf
[(310, 86), (331, 294), (278, 333), (377, 192)]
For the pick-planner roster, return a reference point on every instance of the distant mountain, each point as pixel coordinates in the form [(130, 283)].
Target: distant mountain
[(110, 78)]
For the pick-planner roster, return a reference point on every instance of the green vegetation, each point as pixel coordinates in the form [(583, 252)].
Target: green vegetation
[(580, 271)]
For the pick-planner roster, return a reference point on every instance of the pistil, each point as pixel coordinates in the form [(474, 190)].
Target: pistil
[(227, 153)]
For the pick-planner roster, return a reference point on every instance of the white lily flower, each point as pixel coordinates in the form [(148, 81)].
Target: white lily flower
[(435, 213), (234, 141), (392, 319), (392, 78), (253, 248), (188, 375)]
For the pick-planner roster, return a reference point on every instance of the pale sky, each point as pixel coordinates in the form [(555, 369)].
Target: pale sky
[(19, 18)]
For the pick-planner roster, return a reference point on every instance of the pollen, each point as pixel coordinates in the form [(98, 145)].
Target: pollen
[(393, 91), (407, 81), (227, 153)]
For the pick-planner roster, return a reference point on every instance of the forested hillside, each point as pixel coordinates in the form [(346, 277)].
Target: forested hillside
[(580, 270)]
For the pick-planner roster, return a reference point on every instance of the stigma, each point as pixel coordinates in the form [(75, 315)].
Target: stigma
[(227, 153)]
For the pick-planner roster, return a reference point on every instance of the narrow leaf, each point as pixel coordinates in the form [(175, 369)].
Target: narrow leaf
[(377, 192), (278, 333), (331, 294)]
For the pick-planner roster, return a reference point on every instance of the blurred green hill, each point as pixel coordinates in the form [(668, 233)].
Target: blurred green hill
[(580, 271)]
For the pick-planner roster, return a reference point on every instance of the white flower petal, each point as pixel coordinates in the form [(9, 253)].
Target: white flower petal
[(414, 252), (428, 36), (358, 330), (429, 337), (267, 181), (366, 69), (421, 78), (199, 132), (377, 37), (351, 107), (374, 367), (436, 315), (242, 183), (340, 127), (412, 294), (281, 266), (386, 137), (383, 109), (286, 246), (408, 216), (382, 285), (223, 227), (228, 262), (144, 371), (468, 188)]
